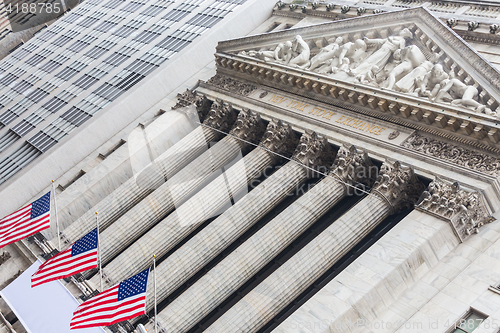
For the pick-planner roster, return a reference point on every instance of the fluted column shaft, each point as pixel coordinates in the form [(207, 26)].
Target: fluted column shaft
[(212, 199), (225, 278), (223, 231), (130, 192), (164, 199), (299, 272)]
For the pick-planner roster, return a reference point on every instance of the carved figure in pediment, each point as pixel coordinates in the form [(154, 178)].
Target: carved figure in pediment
[(411, 57), (326, 53), (458, 93), (303, 50), (377, 60), (408, 83), (430, 84), (283, 52), (350, 53)]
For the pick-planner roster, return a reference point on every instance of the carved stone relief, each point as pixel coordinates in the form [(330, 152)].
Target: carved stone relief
[(314, 151), (232, 85), (398, 185), (464, 210), (248, 126), (221, 116), (390, 59), (353, 167), (453, 153), (189, 97), (279, 138)]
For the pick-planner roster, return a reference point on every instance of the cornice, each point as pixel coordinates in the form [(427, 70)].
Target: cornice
[(419, 15), (444, 121)]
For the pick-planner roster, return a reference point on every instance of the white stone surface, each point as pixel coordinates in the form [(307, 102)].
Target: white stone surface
[(210, 201), (219, 234), (137, 188), (385, 281), (227, 276)]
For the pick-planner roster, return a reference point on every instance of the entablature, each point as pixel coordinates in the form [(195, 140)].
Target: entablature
[(463, 108)]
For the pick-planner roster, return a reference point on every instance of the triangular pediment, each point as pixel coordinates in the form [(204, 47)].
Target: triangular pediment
[(406, 64)]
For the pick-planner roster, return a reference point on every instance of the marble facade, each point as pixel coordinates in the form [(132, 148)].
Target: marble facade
[(411, 247)]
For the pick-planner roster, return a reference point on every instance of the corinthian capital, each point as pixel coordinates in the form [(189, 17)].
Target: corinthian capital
[(248, 126), (398, 185), (354, 167), (279, 138), (221, 116), (313, 151), (192, 97), (464, 210)]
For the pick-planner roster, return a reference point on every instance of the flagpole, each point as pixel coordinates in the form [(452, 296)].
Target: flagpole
[(98, 248), (154, 267), (55, 209)]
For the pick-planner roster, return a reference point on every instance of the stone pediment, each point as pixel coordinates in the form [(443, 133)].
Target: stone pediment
[(407, 66)]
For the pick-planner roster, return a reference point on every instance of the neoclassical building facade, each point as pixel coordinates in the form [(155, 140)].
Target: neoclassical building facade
[(337, 170)]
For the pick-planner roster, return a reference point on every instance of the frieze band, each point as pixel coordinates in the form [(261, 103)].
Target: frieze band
[(455, 154)]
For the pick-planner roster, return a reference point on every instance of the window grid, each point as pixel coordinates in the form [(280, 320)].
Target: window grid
[(8, 97), (21, 53), (7, 139), (105, 26), (132, 6), (15, 111), (112, 4), (121, 82), (22, 86), (17, 161)]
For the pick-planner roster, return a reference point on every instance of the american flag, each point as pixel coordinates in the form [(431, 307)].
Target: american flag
[(124, 301), (26, 221), (79, 257)]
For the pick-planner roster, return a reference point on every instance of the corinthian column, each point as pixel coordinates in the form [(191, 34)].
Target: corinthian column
[(164, 167), (464, 211), (396, 188), (206, 245), (351, 168), (208, 202)]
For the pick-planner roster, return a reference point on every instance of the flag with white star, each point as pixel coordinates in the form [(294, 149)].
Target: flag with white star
[(124, 301), (79, 257), (25, 222)]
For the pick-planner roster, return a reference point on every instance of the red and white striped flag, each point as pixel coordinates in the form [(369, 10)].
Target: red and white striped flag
[(124, 301), (27, 221), (79, 257)]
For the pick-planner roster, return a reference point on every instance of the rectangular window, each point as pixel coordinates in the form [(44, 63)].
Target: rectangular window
[(22, 86), (46, 35), (124, 31), (87, 22), (146, 37), (78, 46), (75, 116), (132, 7), (116, 59), (152, 11), (96, 52), (71, 18), (50, 66), (105, 26), (113, 3), (469, 322), (66, 73), (21, 53), (8, 79)]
